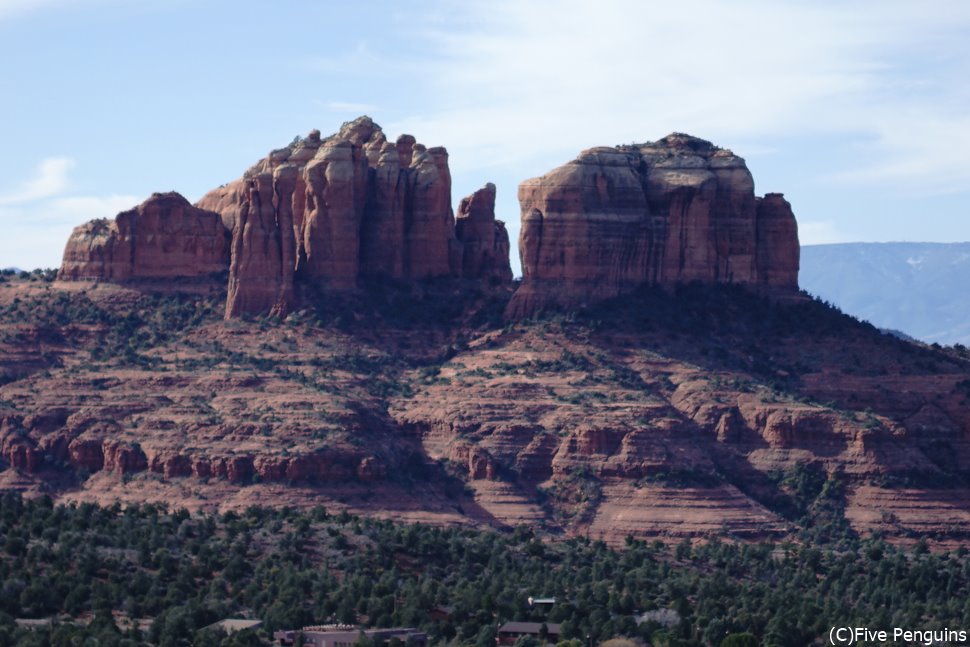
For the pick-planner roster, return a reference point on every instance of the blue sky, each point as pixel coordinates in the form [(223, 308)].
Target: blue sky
[(859, 112)]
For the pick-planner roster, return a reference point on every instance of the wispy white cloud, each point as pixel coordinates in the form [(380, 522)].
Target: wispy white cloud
[(37, 217), (50, 178), (12, 7), (35, 233), (78, 209), (519, 81), (920, 156)]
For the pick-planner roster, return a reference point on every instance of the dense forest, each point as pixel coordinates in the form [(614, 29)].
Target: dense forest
[(150, 575)]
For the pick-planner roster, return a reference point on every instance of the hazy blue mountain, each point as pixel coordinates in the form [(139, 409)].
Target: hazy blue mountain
[(920, 289)]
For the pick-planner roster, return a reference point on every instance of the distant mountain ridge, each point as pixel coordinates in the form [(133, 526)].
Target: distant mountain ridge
[(916, 288)]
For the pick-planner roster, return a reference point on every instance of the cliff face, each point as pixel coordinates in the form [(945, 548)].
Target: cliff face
[(164, 237), (331, 211), (337, 209), (674, 211), (327, 211)]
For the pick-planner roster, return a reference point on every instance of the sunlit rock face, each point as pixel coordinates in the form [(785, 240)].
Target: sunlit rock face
[(346, 207), (165, 237), (673, 211)]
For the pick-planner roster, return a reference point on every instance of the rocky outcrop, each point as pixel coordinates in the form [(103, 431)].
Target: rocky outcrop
[(327, 211), (485, 242), (778, 249), (261, 271), (87, 454), (165, 237), (350, 206), (674, 211)]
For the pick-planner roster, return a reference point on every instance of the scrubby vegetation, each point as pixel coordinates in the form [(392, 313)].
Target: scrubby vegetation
[(118, 333), (99, 571), (45, 275), (729, 327), (150, 575)]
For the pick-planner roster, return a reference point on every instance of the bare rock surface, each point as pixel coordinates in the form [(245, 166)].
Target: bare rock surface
[(337, 209), (165, 237), (485, 241), (673, 211)]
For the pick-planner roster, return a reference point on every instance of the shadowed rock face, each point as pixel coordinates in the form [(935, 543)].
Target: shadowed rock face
[(349, 206), (485, 242), (674, 211), (164, 237)]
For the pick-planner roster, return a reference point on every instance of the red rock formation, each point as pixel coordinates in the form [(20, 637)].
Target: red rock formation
[(239, 469), (674, 211), (476, 460), (330, 211), (337, 209), (321, 466), (123, 458), (87, 454), (170, 464), (430, 229), (259, 279), (611, 429), (164, 237), (201, 467), (485, 242), (336, 191), (777, 236), (21, 454), (382, 248)]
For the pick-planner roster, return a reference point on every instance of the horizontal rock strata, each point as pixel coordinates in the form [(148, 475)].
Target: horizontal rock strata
[(674, 211), (165, 237)]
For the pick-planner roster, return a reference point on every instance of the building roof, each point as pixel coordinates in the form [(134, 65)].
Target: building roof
[(528, 627), (332, 627), (230, 625), (319, 630), (33, 622)]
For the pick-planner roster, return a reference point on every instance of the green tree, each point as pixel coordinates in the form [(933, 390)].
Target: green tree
[(739, 640)]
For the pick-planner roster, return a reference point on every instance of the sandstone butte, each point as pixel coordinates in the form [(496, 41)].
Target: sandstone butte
[(662, 213), (164, 237), (329, 211)]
